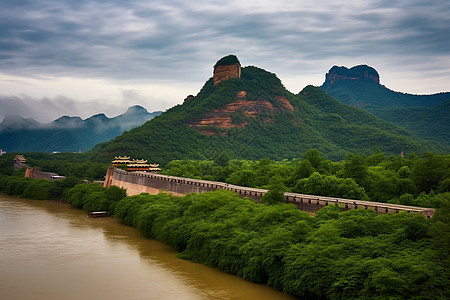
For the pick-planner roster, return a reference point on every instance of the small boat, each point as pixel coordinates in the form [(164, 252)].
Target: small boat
[(98, 214)]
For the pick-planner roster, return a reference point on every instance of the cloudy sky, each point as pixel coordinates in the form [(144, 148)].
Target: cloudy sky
[(79, 58)]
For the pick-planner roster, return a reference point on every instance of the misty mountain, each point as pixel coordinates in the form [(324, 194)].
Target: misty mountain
[(67, 133), (15, 122), (427, 116)]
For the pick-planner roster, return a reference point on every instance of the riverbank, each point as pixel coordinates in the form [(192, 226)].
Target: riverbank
[(336, 255), (50, 250)]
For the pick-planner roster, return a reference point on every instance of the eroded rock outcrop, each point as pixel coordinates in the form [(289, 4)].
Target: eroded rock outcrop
[(241, 111), (226, 68), (223, 117), (362, 72), (188, 98), (237, 114), (285, 102)]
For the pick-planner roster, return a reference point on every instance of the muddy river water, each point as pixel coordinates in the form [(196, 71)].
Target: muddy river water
[(50, 250)]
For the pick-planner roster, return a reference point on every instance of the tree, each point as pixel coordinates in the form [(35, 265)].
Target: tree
[(114, 194), (275, 195), (376, 158), (429, 172), (303, 170), (243, 178), (314, 158), (355, 167), (331, 186)]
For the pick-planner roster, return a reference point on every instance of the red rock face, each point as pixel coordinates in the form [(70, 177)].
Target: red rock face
[(285, 102), (225, 72), (241, 94), (222, 117)]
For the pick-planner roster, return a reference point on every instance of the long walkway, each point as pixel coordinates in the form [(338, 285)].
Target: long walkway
[(137, 182)]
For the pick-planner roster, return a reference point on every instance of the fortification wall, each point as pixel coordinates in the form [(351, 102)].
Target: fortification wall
[(36, 172), (155, 183), (19, 165), (141, 182), (136, 189)]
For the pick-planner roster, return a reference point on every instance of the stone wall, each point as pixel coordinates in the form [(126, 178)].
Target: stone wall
[(140, 182), (36, 172)]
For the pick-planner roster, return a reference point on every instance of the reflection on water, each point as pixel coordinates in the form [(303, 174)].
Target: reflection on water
[(50, 250)]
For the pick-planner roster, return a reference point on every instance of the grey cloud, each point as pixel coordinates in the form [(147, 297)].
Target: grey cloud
[(174, 39), (38, 109)]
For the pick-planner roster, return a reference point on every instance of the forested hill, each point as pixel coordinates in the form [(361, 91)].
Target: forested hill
[(251, 116), (360, 86), (427, 116)]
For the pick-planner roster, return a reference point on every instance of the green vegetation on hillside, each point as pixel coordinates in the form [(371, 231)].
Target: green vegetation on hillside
[(428, 123), (369, 94), (427, 116), (227, 60)]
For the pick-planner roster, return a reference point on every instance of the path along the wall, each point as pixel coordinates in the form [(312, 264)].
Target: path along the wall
[(142, 182)]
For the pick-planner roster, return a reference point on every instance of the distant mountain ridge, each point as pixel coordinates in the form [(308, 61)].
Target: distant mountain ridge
[(68, 133), (428, 116), (252, 116)]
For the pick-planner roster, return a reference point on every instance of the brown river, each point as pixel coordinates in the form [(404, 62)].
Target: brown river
[(50, 250)]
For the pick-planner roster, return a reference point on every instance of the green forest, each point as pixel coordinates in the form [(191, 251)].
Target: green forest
[(357, 254), (413, 180), (424, 115), (66, 164)]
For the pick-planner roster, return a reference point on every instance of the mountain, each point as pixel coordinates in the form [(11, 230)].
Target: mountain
[(14, 122), (247, 113), (427, 116), (428, 123), (67, 133)]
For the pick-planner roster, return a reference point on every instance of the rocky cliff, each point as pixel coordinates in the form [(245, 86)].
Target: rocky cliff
[(226, 68), (362, 72), (242, 109), (238, 113)]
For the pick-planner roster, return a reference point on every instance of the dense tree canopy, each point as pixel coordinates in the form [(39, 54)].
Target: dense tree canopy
[(357, 254), (65, 164), (424, 115), (418, 181)]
